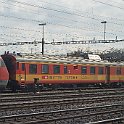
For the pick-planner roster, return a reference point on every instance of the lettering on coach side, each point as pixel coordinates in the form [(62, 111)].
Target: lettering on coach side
[(57, 77), (84, 77), (52, 77), (70, 77)]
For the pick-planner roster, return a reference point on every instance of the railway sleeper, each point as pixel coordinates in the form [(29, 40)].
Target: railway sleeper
[(71, 119), (110, 121), (54, 106), (61, 113)]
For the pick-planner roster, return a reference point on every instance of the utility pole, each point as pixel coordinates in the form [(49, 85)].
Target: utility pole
[(43, 24), (104, 22)]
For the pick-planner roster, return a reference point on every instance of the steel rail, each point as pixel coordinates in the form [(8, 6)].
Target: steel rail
[(48, 101), (62, 115), (43, 97), (119, 120), (62, 92)]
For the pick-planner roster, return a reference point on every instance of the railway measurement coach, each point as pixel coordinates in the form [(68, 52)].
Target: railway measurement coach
[(57, 71)]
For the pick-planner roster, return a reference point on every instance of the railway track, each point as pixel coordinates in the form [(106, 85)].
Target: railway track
[(57, 104), (72, 116), (58, 94), (36, 108), (64, 91)]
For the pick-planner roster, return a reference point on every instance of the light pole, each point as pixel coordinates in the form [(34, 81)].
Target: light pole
[(43, 24), (104, 22)]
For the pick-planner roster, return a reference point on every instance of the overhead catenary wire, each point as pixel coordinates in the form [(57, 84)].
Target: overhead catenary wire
[(70, 27), (66, 18), (82, 14), (38, 21), (122, 8), (63, 42)]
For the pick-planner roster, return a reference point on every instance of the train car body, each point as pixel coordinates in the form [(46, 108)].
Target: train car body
[(4, 75), (54, 71)]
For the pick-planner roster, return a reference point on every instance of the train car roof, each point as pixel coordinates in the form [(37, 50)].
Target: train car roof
[(60, 59)]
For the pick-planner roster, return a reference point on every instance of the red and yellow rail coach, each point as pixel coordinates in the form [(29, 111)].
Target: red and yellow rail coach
[(4, 76), (51, 71)]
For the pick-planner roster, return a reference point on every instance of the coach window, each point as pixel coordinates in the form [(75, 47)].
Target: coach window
[(84, 70), (75, 67), (45, 69), (2, 63), (92, 70), (17, 66), (23, 66), (56, 69), (100, 71), (32, 68), (118, 71), (65, 69)]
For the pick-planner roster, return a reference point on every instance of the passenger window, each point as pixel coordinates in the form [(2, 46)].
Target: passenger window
[(17, 66), (65, 69), (45, 69), (23, 66), (2, 64), (75, 67), (32, 68), (92, 70), (84, 70), (118, 71), (56, 69), (101, 70)]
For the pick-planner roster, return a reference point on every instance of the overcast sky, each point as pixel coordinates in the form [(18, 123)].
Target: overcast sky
[(65, 20)]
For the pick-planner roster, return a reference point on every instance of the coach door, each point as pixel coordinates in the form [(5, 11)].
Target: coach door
[(24, 71), (107, 72)]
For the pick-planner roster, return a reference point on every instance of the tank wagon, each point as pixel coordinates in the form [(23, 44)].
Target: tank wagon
[(4, 75), (56, 71)]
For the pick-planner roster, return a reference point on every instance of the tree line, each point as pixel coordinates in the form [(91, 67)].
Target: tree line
[(112, 55)]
